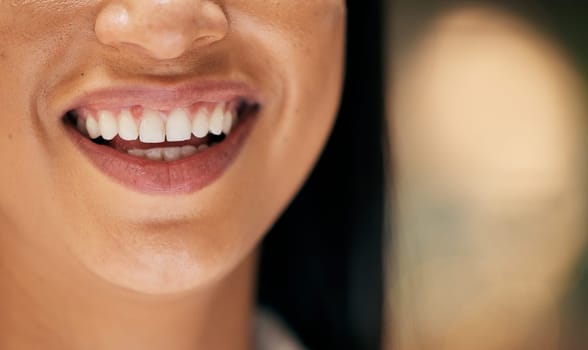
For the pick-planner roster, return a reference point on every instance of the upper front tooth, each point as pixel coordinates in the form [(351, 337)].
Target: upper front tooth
[(178, 126), (216, 120), (227, 122), (200, 124), (108, 127), (152, 129), (92, 127), (127, 127)]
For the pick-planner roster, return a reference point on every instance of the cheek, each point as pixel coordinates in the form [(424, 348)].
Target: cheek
[(19, 158), (35, 42), (26, 46), (307, 50)]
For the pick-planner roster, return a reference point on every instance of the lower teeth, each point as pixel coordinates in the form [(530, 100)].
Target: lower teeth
[(167, 153)]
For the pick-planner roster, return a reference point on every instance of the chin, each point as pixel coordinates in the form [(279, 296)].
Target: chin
[(170, 261)]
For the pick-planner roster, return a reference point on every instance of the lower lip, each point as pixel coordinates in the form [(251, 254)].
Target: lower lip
[(183, 176)]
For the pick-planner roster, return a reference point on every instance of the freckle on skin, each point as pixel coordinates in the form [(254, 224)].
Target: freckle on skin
[(10, 136)]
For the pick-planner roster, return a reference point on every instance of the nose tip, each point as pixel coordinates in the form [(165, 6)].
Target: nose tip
[(162, 29)]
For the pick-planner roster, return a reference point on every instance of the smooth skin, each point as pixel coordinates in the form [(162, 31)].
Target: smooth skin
[(86, 263)]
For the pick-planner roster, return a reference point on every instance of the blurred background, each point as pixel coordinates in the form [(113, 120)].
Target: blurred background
[(486, 111)]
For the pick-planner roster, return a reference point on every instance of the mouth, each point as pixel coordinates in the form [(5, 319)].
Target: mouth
[(163, 142)]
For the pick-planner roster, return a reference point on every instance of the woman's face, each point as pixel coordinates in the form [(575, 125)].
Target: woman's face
[(110, 115)]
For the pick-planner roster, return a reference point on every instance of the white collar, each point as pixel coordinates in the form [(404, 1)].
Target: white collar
[(272, 334)]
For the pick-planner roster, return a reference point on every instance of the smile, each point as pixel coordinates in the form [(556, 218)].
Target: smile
[(170, 141)]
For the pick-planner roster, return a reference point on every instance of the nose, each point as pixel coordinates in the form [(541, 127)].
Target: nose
[(162, 29)]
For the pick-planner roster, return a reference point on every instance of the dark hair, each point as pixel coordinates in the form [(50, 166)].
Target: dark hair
[(321, 264)]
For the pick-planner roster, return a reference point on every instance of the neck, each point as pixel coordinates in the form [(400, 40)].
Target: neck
[(44, 304)]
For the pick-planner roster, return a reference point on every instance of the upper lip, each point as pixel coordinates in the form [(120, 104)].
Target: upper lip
[(166, 97)]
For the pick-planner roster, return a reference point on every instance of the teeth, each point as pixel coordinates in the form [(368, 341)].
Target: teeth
[(188, 150), (227, 122), (108, 127), (216, 120), (178, 126), (200, 124), (81, 125), (172, 153), (154, 154), (92, 127), (166, 153), (152, 129), (157, 127), (136, 152), (127, 127)]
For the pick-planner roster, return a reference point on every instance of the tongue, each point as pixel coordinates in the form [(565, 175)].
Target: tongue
[(122, 145)]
